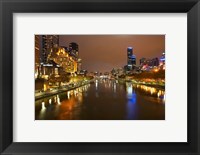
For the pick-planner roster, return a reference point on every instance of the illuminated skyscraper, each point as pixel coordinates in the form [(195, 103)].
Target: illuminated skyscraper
[(129, 51), (37, 49), (48, 43), (73, 49), (155, 62), (162, 61), (142, 61), (79, 64), (37, 55), (131, 59)]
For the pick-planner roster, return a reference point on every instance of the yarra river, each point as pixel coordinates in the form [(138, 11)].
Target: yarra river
[(104, 100)]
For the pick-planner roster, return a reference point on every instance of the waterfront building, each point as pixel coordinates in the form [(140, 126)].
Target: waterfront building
[(41, 85), (129, 51), (79, 64), (83, 72), (37, 56), (74, 50), (64, 60), (131, 59), (148, 64), (142, 61), (162, 61), (50, 74), (155, 62), (50, 69), (162, 58), (48, 43)]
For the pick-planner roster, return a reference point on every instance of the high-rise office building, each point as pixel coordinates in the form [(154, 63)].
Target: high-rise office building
[(131, 59), (162, 61), (73, 49), (73, 46), (37, 55), (48, 43), (79, 64), (142, 61), (129, 51), (37, 49), (155, 62), (162, 58)]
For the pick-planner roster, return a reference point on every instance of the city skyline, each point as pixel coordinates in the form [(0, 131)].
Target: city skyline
[(96, 77), (106, 52)]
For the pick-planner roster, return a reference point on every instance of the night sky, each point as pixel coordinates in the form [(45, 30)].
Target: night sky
[(104, 52)]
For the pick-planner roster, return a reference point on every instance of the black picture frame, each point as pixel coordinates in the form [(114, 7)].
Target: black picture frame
[(8, 7)]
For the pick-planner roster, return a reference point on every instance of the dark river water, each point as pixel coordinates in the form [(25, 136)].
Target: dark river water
[(104, 100)]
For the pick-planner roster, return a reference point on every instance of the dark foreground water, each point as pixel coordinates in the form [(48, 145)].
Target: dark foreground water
[(104, 100)]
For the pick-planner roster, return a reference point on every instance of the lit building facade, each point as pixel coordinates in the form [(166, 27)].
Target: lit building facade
[(48, 43), (64, 60), (37, 55), (155, 62), (142, 61), (74, 50), (79, 64), (50, 69), (131, 59), (150, 62), (162, 61), (129, 51), (54, 64)]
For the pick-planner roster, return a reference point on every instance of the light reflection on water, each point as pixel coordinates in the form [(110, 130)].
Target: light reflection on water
[(42, 111), (151, 90), (131, 103), (105, 99), (58, 99), (46, 103), (50, 101), (43, 106)]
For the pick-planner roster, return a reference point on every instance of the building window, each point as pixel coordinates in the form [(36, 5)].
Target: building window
[(56, 71)]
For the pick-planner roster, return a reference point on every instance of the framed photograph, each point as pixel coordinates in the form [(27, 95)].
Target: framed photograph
[(81, 77)]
